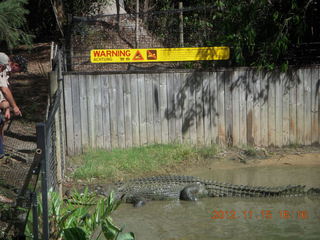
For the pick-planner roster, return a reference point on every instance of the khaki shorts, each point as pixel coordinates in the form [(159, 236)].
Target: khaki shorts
[(3, 83)]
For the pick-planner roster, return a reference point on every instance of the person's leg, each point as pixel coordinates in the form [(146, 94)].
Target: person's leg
[(2, 121), (5, 112)]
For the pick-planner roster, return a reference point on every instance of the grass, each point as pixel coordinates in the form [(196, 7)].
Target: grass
[(137, 161), (250, 151)]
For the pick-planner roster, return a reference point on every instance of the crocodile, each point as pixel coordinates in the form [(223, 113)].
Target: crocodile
[(140, 190)]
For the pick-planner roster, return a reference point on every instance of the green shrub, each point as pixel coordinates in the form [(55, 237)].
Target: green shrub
[(83, 217)]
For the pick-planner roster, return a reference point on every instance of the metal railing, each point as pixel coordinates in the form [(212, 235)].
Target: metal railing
[(49, 138)]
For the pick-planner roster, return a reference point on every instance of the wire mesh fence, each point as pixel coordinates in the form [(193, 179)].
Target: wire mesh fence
[(30, 150), (51, 140), (16, 176), (183, 27), (51, 160), (164, 29)]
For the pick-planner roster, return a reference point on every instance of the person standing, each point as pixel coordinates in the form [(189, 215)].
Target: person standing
[(7, 66)]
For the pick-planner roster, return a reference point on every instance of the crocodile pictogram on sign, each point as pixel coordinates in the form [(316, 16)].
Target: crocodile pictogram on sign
[(152, 54)]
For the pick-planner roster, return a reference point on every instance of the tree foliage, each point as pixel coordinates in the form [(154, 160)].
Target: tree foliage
[(41, 21), (12, 20), (83, 7), (259, 32)]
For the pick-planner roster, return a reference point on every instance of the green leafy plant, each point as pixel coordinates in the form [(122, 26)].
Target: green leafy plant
[(83, 217), (12, 20)]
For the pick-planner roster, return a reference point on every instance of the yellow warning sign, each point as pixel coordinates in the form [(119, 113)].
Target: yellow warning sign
[(159, 54)]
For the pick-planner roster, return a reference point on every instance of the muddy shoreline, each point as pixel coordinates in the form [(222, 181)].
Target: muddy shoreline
[(228, 161)]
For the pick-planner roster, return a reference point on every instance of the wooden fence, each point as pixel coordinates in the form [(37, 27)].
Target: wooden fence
[(231, 107)]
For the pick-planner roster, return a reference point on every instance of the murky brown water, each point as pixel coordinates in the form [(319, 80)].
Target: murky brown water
[(232, 218)]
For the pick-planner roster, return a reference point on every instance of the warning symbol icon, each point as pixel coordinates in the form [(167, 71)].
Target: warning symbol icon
[(138, 56), (152, 54)]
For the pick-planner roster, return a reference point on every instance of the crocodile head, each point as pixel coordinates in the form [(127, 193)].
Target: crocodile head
[(193, 191)]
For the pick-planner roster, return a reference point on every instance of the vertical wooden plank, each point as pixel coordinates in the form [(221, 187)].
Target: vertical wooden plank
[(192, 108), (263, 97), (256, 121), (120, 110), (185, 92), (199, 108), (222, 136), (84, 112), (98, 111), (249, 107), (213, 106), (314, 105), (171, 107), (207, 95), (113, 112), (127, 109), (135, 110), (105, 82), (235, 106), (91, 113), (142, 110), (243, 107), (278, 110), (76, 114), (307, 101), (271, 110), (294, 81), (228, 95), (178, 101), (156, 108), (286, 109), (149, 107), (163, 108), (300, 108), (69, 115)]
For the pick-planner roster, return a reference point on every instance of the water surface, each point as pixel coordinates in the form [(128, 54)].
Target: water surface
[(232, 218)]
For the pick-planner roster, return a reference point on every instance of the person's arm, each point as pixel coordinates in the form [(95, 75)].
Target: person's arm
[(8, 95)]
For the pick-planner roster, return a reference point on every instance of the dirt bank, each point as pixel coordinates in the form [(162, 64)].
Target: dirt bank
[(262, 157)]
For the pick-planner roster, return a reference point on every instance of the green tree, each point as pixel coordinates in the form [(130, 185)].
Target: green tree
[(12, 21), (259, 32)]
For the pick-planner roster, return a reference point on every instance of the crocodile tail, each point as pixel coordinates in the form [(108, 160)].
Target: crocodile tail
[(313, 192), (228, 190)]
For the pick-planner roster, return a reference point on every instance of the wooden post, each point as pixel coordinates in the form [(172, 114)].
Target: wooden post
[(181, 40), (69, 44), (54, 75), (42, 144), (118, 15), (61, 114), (137, 23), (58, 140)]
